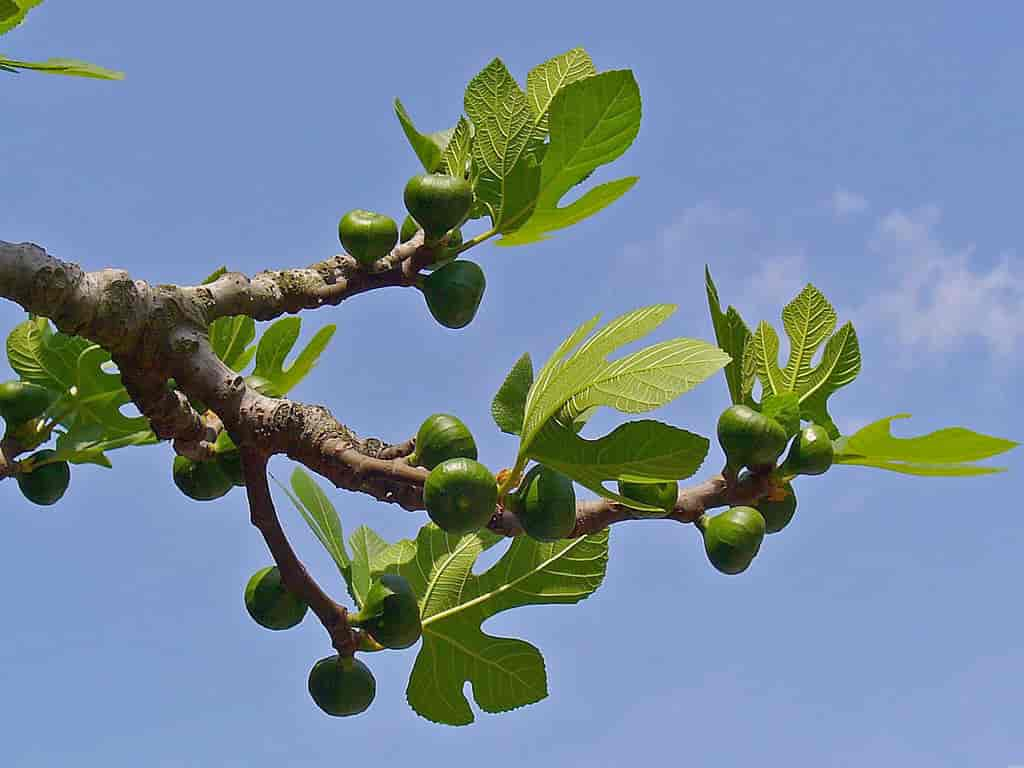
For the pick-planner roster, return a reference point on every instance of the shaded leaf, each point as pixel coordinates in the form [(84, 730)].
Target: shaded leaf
[(509, 405)]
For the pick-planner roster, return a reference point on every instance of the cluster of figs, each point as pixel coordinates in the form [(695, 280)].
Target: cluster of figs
[(41, 478), (754, 442), (438, 204)]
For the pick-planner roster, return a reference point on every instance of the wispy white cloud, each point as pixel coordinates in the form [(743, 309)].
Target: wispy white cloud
[(758, 271), (846, 203), (941, 296)]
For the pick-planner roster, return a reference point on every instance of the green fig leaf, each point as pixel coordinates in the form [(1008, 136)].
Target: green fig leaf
[(504, 673), (458, 154), (637, 451), (785, 409), (320, 515), (545, 81), (428, 147), (509, 404), (371, 556), (505, 138), (593, 121), (13, 12), (809, 321), (275, 345), (948, 452), (71, 67), (732, 335)]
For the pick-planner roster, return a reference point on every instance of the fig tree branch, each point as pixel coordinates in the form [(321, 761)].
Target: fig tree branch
[(156, 334), (296, 578)]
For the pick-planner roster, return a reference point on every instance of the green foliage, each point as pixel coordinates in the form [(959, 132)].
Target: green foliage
[(454, 603), (593, 121), (430, 147), (12, 13), (276, 344), (86, 411), (509, 405), (578, 378), (809, 321), (949, 452), (732, 335), (663, 496)]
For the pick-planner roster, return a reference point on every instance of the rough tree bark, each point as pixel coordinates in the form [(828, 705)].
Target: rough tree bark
[(156, 333)]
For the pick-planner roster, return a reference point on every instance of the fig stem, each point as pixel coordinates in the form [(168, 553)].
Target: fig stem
[(296, 578)]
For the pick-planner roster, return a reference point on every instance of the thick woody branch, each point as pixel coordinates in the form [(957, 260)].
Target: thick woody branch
[(156, 333), (273, 293), (296, 578)]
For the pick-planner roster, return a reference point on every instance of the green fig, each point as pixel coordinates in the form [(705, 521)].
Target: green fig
[(811, 452), (390, 614), (732, 538), (750, 439), (545, 504), (663, 495), (269, 601), (438, 202), (460, 495), (778, 513), (200, 480), (453, 293), (442, 437), (45, 484), (342, 685), (22, 401), (367, 236)]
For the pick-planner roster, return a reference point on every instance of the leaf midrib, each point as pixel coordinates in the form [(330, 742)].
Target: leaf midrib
[(484, 597)]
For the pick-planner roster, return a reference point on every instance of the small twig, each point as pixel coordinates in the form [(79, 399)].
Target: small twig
[(296, 578)]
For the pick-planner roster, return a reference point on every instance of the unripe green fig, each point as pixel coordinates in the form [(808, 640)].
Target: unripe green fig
[(367, 236), (545, 504), (342, 685), (229, 458), (45, 484), (453, 293), (811, 452), (750, 439), (391, 614), (269, 601), (438, 202), (460, 495), (21, 401), (663, 495), (200, 480), (732, 538), (442, 437), (778, 513)]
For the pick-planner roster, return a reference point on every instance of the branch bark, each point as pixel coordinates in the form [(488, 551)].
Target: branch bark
[(296, 578)]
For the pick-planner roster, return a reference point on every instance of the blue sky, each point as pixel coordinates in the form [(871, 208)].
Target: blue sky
[(874, 150)]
